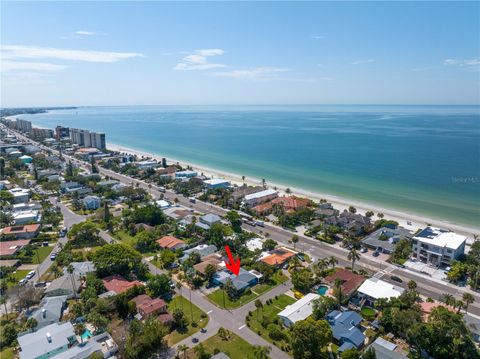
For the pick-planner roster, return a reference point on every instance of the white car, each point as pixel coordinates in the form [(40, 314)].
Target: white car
[(22, 281), (30, 274)]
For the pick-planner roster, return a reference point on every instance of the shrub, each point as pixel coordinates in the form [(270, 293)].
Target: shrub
[(275, 332)]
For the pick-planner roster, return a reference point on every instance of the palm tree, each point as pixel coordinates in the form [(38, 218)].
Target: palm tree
[(261, 352), (31, 323), (353, 256), (183, 348), (70, 271), (412, 285), (338, 291), (295, 263), (79, 330), (447, 299), (332, 261), (243, 179), (294, 240), (468, 299), (258, 305), (459, 304)]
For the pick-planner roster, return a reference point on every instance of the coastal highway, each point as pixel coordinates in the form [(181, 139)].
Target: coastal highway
[(427, 286)]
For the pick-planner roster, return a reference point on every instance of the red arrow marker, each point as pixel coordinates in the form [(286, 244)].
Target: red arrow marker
[(232, 265)]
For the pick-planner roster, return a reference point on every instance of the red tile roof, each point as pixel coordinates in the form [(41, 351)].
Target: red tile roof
[(278, 257), (290, 204), (147, 306), (8, 248), (168, 242), (165, 318), (427, 308), (118, 284), (28, 228), (350, 280)]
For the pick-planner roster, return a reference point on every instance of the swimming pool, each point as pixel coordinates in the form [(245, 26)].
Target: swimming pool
[(322, 290), (87, 334)]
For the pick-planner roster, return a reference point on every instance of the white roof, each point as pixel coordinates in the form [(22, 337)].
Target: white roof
[(255, 243), (36, 344), (215, 181), (376, 288), (25, 214), (440, 238), (267, 192), (163, 204), (301, 309)]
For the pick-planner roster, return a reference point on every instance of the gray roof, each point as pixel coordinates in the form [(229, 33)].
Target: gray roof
[(386, 350), (62, 286), (203, 250), (240, 282), (82, 268), (50, 310), (36, 344), (393, 236), (210, 219), (344, 327)]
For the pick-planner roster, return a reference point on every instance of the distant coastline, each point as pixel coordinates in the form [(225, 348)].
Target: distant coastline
[(134, 145)]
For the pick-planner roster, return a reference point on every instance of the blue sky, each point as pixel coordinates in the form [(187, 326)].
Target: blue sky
[(121, 53)]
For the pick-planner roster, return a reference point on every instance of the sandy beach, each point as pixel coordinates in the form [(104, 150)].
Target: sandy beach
[(409, 221)]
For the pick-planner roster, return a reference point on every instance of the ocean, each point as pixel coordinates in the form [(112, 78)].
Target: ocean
[(417, 159)]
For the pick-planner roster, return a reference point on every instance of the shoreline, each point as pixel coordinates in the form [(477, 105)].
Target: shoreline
[(340, 203)]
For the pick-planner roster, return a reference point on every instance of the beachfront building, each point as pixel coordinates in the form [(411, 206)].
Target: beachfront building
[(186, 174), (374, 288), (300, 310), (384, 239), (85, 138), (438, 247), (254, 199), (23, 125), (143, 165), (216, 183)]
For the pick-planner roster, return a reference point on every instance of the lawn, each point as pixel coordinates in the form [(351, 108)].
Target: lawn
[(270, 311), (233, 346), (183, 303), (368, 313), (217, 297), (18, 274), (125, 238), (7, 353), (43, 252)]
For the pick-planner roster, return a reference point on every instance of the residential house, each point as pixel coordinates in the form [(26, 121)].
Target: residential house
[(214, 259), (41, 174), (25, 217), (91, 202), (374, 288), (49, 311), (167, 172), (239, 192), (278, 257), (300, 310), (240, 282), (354, 223), (21, 232), (20, 195), (177, 213), (143, 165), (384, 239), (206, 221), (102, 344), (117, 284), (289, 204), (107, 183), (203, 250), (20, 207), (186, 174), (254, 199), (438, 247), (8, 248), (216, 183), (81, 269), (144, 227), (163, 204), (47, 342), (148, 307), (350, 281), (387, 350), (170, 242), (67, 284), (345, 329)]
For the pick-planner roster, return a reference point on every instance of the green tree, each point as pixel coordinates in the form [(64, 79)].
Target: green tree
[(93, 165), (269, 245), (303, 280), (322, 306), (2, 168), (308, 337), (352, 209), (118, 259), (159, 285), (106, 213), (260, 352), (350, 354), (369, 354), (294, 240), (31, 324), (79, 330), (201, 352), (84, 234), (467, 299), (98, 321), (259, 306), (183, 348), (210, 271), (235, 220), (353, 256), (167, 258)]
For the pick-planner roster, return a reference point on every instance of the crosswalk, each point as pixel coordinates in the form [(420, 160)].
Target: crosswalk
[(384, 271)]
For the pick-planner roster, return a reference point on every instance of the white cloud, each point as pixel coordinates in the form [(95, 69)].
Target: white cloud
[(32, 52), (84, 33), (252, 74), (361, 62), (319, 37), (198, 60), (8, 66), (469, 64)]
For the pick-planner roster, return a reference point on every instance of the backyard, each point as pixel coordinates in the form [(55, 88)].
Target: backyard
[(190, 311), (230, 344)]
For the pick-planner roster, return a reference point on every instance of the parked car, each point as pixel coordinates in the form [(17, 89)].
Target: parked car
[(30, 274), (23, 281), (364, 250), (161, 189), (301, 257), (195, 340), (396, 279), (260, 223), (192, 200), (45, 244), (53, 256), (376, 254), (298, 295)]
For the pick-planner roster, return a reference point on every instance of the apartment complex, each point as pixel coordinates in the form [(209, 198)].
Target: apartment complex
[(61, 132), (23, 126), (438, 246), (86, 138)]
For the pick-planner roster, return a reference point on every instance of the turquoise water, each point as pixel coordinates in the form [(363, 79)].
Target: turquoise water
[(87, 334), (420, 159), (322, 290)]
